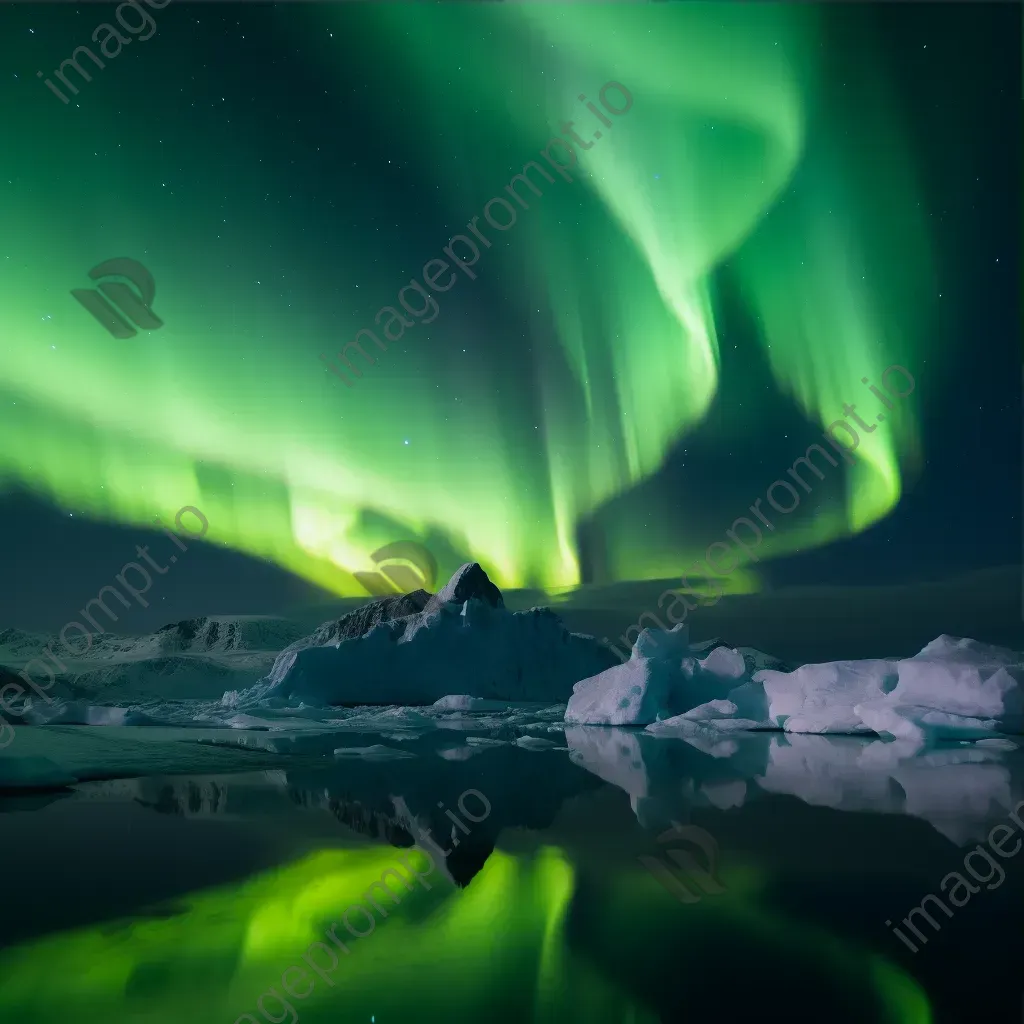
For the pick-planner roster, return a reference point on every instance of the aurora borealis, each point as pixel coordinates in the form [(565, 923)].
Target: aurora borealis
[(755, 237)]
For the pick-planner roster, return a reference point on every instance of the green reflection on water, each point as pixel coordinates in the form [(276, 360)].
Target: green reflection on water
[(503, 948)]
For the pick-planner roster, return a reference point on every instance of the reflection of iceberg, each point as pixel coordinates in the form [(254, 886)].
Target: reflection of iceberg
[(960, 790)]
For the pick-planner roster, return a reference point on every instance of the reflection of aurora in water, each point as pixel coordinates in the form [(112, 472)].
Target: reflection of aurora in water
[(503, 948), (730, 158)]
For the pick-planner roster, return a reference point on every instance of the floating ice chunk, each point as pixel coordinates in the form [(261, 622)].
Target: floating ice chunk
[(821, 698), (1000, 743), (459, 753), (375, 752), (724, 662), (633, 693), (536, 743), (668, 683), (966, 678), (662, 644), (464, 702), (723, 714)]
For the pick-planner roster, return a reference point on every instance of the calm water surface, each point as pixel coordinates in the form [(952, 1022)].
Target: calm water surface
[(196, 899)]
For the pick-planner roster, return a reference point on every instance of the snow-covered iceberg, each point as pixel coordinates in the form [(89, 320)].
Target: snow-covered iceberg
[(666, 677), (464, 642), (952, 689)]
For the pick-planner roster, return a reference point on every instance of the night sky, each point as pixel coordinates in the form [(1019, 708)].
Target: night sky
[(797, 198)]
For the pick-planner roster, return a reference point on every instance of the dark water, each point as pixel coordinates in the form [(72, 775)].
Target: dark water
[(183, 899)]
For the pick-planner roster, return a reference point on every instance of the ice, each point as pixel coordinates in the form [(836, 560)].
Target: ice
[(667, 645), (953, 689), (536, 743), (965, 678), (374, 752), (960, 790), (822, 698), (464, 702), (477, 649), (633, 693), (664, 678), (923, 725)]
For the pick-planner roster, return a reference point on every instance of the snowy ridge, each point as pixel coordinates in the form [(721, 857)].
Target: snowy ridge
[(194, 659)]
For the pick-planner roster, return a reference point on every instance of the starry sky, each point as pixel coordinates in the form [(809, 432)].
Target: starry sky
[(798, 198)]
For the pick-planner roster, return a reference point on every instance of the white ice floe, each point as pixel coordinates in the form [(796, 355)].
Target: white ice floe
[(953, 689), (823, 698), (536, 743), (665, 678)]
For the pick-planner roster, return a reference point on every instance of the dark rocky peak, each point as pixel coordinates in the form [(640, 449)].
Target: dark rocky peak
[(468, 581)]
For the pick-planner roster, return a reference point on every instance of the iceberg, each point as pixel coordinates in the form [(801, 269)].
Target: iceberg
[(953, 689), (666, 678), (469, 645)]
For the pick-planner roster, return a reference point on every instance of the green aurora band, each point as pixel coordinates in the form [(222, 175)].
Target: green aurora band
[(223, 410)]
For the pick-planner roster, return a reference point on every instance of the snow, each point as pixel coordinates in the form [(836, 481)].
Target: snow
[(953, 689), (664, 678), (822, 698), (473, 649), (465, 663), (632, 693)]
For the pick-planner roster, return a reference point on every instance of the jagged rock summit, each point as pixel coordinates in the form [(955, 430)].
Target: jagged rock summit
[(468, 581), (363, 619)]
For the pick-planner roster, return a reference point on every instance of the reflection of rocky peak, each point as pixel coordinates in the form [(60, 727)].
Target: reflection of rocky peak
[(468, 581), (354, 815), (394, 803), (186, 798)]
